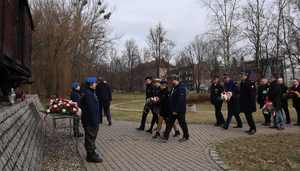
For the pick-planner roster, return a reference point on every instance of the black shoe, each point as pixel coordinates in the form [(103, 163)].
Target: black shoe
[(140, 129), (149, 131), (183, 139), (164, 139), (297, 124), (238, 127), (225, 127), (273, 127), (288, 122), (177, 133), (157, 134), (109, 123), (94, 158), (251, 131), (78, 134)]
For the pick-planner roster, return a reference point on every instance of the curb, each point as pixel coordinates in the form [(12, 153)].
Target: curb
[(214, 155)]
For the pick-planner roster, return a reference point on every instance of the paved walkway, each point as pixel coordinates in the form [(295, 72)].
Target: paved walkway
[(124, 148)]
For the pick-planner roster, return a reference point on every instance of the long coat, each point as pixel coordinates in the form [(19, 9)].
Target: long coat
[(177, 99), (275, 95), (215, 94), (103, 92), (233, 104), (248, 96), (90, 109)]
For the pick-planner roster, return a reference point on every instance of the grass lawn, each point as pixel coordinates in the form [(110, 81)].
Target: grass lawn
[(265, 153), (134, 102)]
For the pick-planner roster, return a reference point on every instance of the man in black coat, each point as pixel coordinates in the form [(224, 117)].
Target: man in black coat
[(90, 119), (104, 94), (177, 102), (216, 90), (262, 94), (248, 99), (284, 100), (148, 105), (295, 94), (233, 105), (75, 97)]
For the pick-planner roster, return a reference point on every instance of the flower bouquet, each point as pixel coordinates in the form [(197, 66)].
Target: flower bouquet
[(63, 106), (225, 96), (268, 108)]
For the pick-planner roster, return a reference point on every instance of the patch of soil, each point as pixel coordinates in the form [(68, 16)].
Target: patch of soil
[(267, 152), (61, 153)]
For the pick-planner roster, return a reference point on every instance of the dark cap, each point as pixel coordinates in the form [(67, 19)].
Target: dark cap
[(148, 77)]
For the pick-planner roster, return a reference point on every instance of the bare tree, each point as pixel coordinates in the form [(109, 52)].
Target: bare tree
[(225, 16), (132, 57), (159, 45)]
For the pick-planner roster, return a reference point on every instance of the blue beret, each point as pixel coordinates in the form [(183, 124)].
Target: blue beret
[(90, 80), (75, 85)]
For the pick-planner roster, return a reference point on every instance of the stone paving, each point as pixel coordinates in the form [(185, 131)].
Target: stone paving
[(124, 148)]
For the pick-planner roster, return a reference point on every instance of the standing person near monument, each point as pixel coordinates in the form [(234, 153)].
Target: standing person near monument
[(284, 100), (90, 119), (104, 94), (147, 106), (177, 101), (248, 99), (262, 94), (75, 97), (216, 90)]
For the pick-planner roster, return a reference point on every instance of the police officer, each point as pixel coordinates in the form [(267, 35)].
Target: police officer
[(90, 119), (233, 105), (284, 100), (295, 94), (248, 99), (216, 90), (75, 97), (104, 94), (262, 94), (147, 106), (177, 102)]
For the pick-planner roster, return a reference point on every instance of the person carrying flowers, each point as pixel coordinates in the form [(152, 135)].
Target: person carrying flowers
[(90, 119)]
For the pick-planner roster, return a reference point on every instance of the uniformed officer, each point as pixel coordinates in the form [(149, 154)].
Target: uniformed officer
[(233, 105), (177, 100), (75, 97), (147, 106), (295, 94), (216, 90), (90, 119), (248, 99), (284, 100), (262, 94)]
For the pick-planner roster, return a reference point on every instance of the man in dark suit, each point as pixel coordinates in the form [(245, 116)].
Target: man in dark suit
[(216, 90), (248, 99), (177, 102), (262, 94), (104, 94), (90, 119), (233, 104)]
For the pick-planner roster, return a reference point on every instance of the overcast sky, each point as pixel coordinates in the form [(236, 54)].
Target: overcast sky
[(183, 19)]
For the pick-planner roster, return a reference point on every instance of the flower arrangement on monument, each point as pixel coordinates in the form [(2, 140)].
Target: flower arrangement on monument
[(63, 106)]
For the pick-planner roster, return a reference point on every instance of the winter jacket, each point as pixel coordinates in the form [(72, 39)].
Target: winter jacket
[(177, 99), (248, 96), (90, 109)]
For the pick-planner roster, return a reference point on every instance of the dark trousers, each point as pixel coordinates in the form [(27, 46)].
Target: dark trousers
[(147, 108), (76, 122), (285, 108), (237, 118), (267, 118), (154, 120), (250, 121), (90, 136), (298, 114), (105, 105), (182, 123), (218, 113)]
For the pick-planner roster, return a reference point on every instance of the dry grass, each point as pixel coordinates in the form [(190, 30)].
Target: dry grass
[(265, 152)]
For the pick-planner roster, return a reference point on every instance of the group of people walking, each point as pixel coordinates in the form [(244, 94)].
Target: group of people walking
[(167, 105), (271, 95), (93, 98)]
